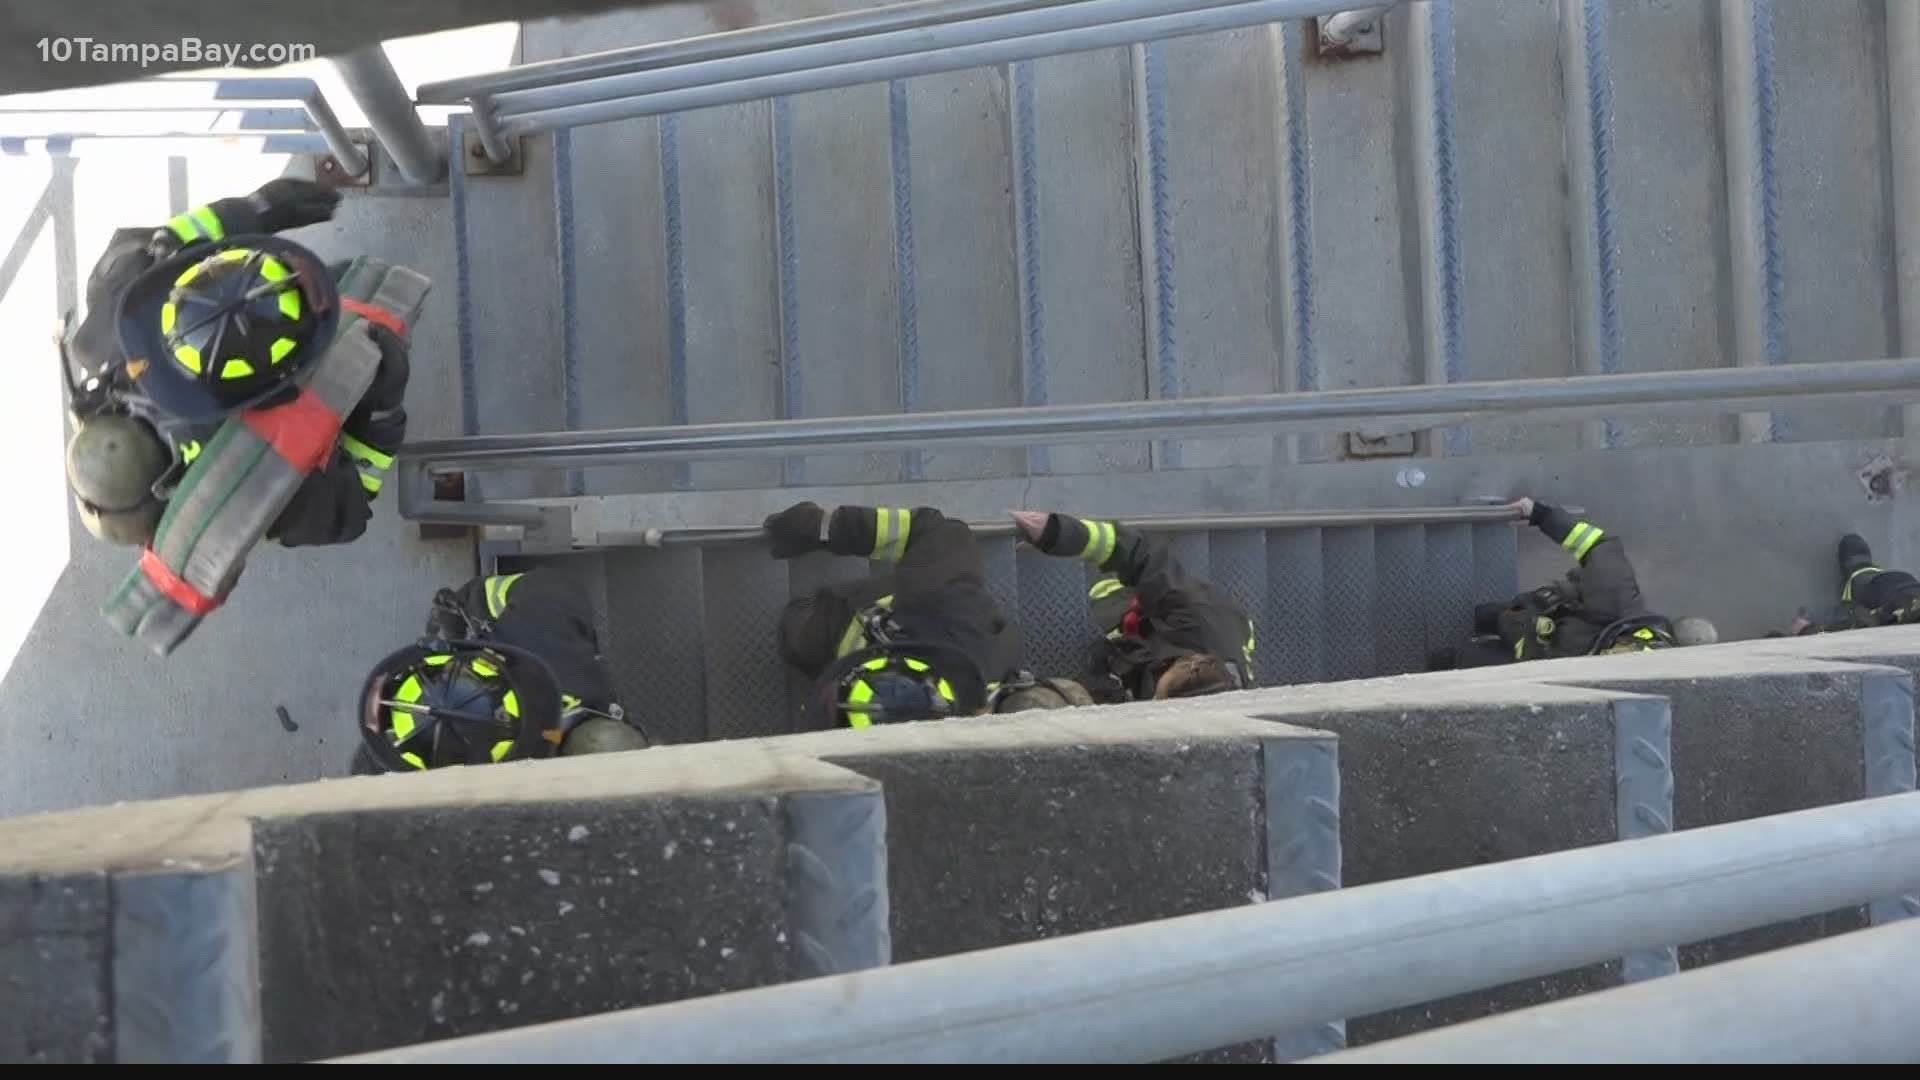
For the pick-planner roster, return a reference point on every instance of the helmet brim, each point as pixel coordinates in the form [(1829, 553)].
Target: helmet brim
[(137, 320)]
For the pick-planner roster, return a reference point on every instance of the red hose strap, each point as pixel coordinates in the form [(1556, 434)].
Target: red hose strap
[(175, 587)]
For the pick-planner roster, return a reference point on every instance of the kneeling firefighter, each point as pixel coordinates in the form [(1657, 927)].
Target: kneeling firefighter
[(225, 387), (509, 669), (925, 641), (1597, 608), (1165, 633)]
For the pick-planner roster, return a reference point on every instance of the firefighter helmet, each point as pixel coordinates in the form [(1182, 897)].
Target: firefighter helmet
[(459, 703), (114, 462), (226, 326), (898, 682)]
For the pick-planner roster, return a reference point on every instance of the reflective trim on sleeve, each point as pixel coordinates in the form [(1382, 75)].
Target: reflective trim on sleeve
[(1104, 588), (891, 528), (1581, 540), (1846, 591), (498, 587), (1101, 540), (364, 454)]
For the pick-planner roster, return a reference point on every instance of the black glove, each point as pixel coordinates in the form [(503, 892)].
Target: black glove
[(389, 389), (795, 530), (288, 203)]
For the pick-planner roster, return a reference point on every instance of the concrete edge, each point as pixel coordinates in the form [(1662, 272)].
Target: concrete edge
[(184, 966), (1301, 804)]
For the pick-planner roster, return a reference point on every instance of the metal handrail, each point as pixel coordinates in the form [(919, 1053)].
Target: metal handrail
[(1718, 389), (746, 42), (1158, 990), (1847, 1000), (190, 95), (1278, 519), (683, 75)]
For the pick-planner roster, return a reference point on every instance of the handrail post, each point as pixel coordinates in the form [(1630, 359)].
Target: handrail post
[(370, 78)]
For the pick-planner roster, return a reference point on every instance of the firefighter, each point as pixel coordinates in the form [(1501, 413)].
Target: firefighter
[(922, 641), (210, 336), (1869, 596), (509, 668), (1596, 608), (1166, 634)]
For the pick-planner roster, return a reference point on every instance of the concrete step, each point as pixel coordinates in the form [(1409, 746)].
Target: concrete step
[(329, 918), (689, 632)]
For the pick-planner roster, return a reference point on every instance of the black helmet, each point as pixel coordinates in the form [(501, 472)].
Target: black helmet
[(226, 326), (433, 705), (899, 682)]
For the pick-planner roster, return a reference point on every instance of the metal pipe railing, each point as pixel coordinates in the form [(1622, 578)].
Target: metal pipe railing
[(1278, 519), (187, 96), (665, 54), (1328, 410), (1846, 1000), (1158, 990), (370, 78), (1013, 44), (1028, 20)]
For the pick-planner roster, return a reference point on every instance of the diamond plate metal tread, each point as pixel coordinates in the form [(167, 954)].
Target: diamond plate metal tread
[(1350, 624), (1055, 622), (1002, 572), (744, 593), (1292, 647), (1191, 548), (1400, 600), (654, 652), (1237, 563), (1496, 562), (1449, 585)]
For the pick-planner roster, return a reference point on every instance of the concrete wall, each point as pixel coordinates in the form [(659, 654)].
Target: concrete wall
[(321, 919)]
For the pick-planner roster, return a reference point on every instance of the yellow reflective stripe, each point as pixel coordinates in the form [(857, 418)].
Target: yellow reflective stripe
[(510, 702), (167, 317), (289, 303), (1104, 588), (188, 274), (500, 749), (188, 356), (371, 482), (189, 451), (497, 589), (1846, 591), (853, 639), (1101, 540), (233, 255), (859, 694), (483, 669), (1581, 540), (235, 368), (402, 720), (209, 223), (413, 760), (184, 228), (364, 454), (272, 269), (902, 530), (891, 526), (280, 348), (946, 691)]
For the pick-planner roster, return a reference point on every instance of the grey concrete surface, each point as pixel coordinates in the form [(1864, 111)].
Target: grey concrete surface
[(54, 968)]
